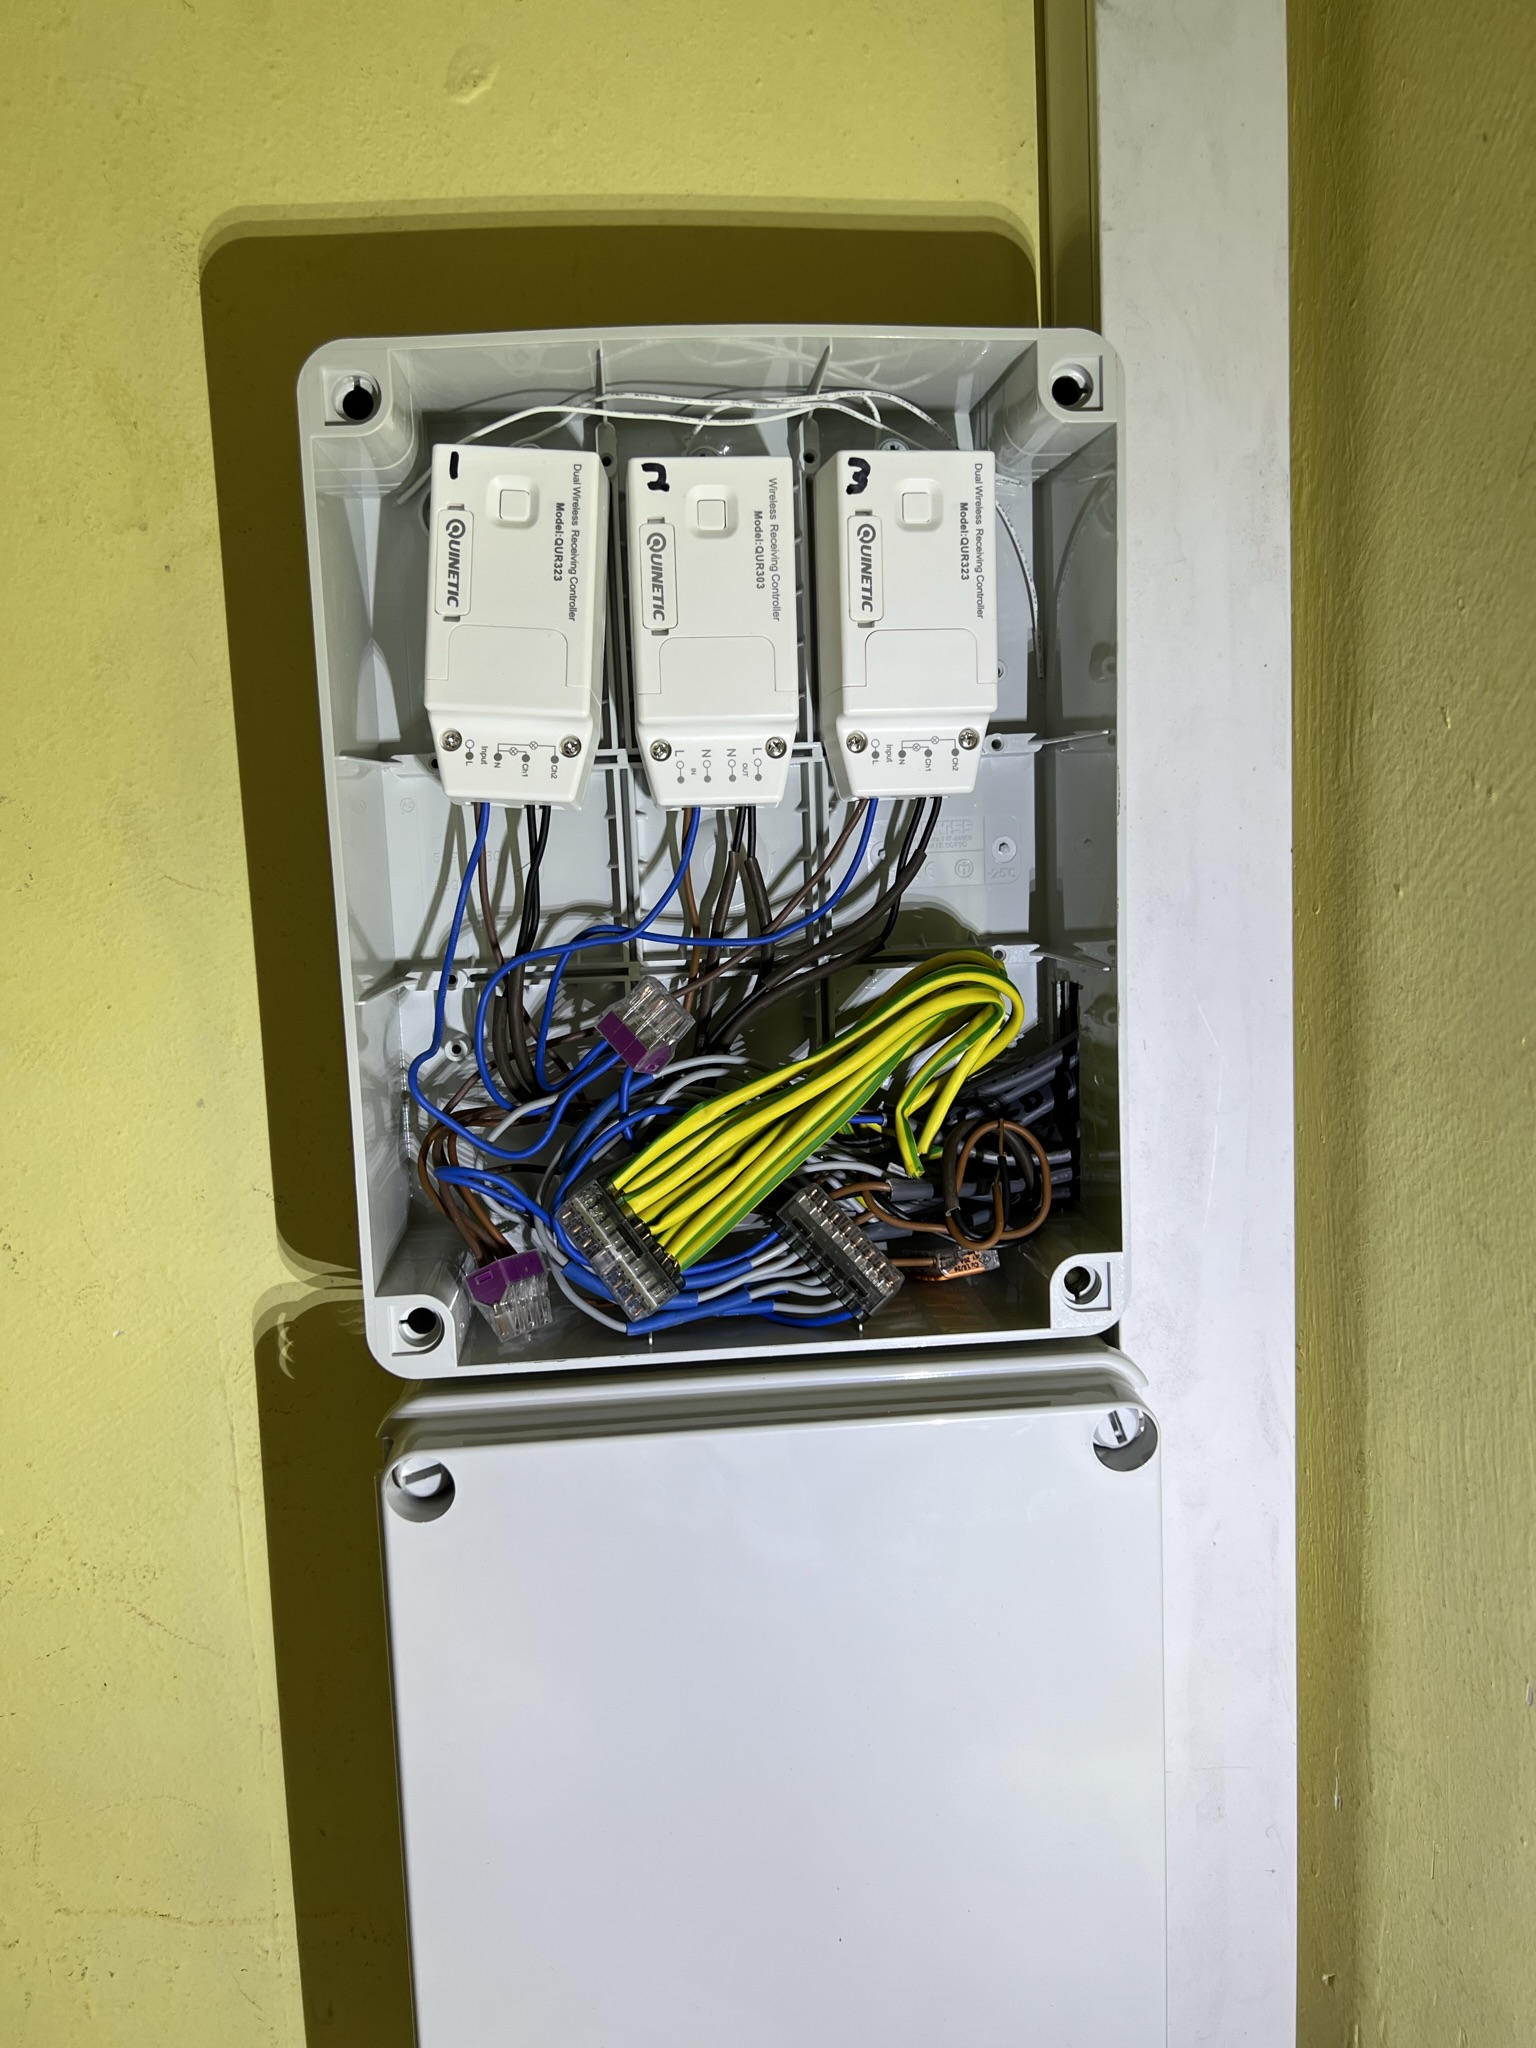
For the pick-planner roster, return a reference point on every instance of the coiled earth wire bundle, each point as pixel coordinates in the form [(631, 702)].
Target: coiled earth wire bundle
[(939, 1025)]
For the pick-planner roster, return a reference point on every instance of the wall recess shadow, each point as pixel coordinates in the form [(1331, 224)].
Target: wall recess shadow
[(270, 296), (321, 1399)]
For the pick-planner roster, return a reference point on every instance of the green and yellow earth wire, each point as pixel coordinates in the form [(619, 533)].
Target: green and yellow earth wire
[(700, 1176)]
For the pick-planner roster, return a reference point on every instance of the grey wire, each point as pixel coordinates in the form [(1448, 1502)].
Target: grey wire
[(727, 406), (574, 1295), (1029, 585), (757, 412)]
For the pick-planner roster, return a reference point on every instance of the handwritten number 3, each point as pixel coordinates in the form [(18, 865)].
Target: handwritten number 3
[(858, 471)]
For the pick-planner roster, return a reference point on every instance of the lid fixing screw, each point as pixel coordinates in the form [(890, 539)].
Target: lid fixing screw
[(420, 1488), (775, 748), (570, 746), (970, 739), (855, 743), (451, 742), (421, 1478), (661, 750), (1125, 1440)]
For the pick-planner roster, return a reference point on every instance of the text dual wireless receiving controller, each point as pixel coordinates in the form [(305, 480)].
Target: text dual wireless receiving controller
[(514, 656)]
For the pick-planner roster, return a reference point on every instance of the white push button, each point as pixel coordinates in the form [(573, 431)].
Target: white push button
[(709, 515), (917, 508), (516, 506)]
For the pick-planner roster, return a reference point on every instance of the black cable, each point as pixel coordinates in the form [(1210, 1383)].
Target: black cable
[(757, 888), (865, 936), (511, 1054), (707, 985), (845, 949)]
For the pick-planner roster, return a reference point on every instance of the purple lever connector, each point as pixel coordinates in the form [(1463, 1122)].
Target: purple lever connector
[(633, 1051), (489, 1285), (646, 1028)]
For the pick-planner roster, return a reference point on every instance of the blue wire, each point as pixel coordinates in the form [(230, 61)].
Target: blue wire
[(600, 935), (502, 1152), (599, 1116), (505, 1191), (720, 1269), (735, 1305), (738, 1304), (686, 941), (440, 1006), (691, 1310), (585, 1072), (594, 935), (605, 1138)]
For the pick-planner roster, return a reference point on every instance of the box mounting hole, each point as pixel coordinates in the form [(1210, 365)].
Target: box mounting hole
[(357, 400), (1071, 386), (421, 1328)]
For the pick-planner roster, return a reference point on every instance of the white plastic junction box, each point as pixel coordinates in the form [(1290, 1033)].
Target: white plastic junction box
[(1025, 860)]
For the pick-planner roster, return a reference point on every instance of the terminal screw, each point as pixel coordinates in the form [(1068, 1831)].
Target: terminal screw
[(570, 746), (451, 742), (970, 739), (855, 743), (661, 750), (775, 748)]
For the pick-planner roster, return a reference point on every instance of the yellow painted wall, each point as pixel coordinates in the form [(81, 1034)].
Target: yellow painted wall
[(146, 1895), (145, 1887), (1414, 211)]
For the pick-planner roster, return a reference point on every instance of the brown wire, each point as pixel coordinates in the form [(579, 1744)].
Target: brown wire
[(958, 1153), (511, 1048), (770, 925), (508, 1020), (866, 1190), (850, 825), (1021, 1133), (477, 1231), (462, 1207), (705, 986), (838, 951), (487, 913), (957, 1161), (691, 917), (1010, 1137)]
